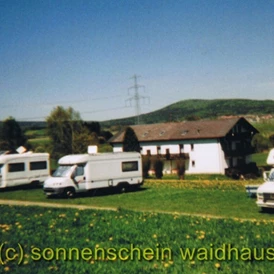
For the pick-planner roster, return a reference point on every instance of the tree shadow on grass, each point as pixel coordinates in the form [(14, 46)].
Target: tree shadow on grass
[(22, 187), (102, 192)]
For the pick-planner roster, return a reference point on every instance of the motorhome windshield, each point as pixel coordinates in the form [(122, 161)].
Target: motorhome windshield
[(62, 171)]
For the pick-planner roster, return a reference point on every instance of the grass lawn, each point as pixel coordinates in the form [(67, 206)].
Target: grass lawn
[(260, 158), (214, 198), (139, 237), (89, 241)]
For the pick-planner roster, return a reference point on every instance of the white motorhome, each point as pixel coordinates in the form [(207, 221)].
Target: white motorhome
[(85, 172), (265, 192), (25, 168)]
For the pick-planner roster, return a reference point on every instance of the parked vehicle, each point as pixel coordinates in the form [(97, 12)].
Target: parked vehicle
[(85, 172), (265, 192), (25, 168)]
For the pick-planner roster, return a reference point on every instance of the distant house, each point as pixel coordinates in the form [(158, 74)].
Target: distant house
[(209, 146)]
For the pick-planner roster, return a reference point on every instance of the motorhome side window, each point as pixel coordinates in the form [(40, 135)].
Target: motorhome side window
[(130, 166), (79, 171), (38, 165), (16, 167)]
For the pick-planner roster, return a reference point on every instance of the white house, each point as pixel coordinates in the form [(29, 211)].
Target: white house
[(209, 146)]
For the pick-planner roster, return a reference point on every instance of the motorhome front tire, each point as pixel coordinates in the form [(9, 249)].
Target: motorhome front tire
[(69, 192)]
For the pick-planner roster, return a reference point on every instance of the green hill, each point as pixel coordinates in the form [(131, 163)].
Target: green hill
[(201, 109), (188, 110)]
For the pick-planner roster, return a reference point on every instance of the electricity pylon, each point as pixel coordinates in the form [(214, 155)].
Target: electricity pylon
[(136, 97)]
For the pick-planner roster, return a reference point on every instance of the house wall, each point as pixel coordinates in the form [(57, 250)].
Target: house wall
[(205, 156)]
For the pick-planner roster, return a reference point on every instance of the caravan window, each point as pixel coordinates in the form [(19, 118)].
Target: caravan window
[(1, 165), (130, 166), (38, 165), (16, 167)]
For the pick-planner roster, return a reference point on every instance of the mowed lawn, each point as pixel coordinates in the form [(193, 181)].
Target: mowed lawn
[(210, 198)]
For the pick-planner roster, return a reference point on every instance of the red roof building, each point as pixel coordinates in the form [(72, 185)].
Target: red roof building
[(209, 146)]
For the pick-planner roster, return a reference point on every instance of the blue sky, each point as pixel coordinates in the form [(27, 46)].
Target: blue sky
[(84, 54)]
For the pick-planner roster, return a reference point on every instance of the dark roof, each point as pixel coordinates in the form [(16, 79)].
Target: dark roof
[(204, 129)]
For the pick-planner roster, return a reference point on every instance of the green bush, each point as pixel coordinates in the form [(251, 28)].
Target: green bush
[(158, 167), (146, 162), (180, 164), (260, 142)]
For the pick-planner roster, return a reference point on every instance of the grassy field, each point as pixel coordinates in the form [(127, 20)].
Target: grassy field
[(260, 158), (209, 198), (41, 240)]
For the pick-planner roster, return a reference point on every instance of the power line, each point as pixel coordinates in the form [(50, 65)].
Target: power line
[(61, 102), (82, 112), (137, 98)]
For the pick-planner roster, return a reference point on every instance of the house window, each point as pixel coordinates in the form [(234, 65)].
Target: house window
[(193, 163), (181, 148), (148, 152), (192, 147)]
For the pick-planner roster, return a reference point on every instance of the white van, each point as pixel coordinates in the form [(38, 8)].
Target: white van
[(25, 168), (265, 192), (84, 172)]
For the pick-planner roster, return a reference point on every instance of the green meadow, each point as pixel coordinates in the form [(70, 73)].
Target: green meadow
[(56, 240), (204, 197)]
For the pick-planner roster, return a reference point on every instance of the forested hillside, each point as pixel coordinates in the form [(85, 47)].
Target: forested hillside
[(201, 109)]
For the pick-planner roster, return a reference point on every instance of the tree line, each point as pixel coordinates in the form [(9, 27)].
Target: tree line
[(68, 133)]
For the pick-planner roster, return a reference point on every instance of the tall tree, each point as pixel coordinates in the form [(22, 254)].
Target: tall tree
[(63, 125), (12, 135), (93, 127), (84, 139), (130, 142)]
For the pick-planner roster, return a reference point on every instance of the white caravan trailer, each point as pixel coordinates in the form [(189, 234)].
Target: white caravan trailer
[(265, 192), (25, 168), (84, 172)]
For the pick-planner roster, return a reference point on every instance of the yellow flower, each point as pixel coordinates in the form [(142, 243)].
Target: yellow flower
[(217, 265)]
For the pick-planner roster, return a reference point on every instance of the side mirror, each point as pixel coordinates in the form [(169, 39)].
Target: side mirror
[(72, 176), (266, 175)]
